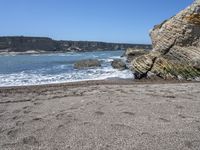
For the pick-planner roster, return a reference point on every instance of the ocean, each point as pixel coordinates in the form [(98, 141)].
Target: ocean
[(37, 69)]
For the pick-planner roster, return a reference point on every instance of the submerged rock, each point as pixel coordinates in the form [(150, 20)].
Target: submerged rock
[(90, 63), (176, 47), (118, 64)]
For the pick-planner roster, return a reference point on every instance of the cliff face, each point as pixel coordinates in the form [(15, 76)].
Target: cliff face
[(176, 47), (22, 44), (90, 46)]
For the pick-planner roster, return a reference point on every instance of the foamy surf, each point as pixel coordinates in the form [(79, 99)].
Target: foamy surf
[(20, 79), (57, 68)]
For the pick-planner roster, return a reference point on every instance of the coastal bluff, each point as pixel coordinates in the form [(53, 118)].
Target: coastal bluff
[(176, 48), (43, 44)]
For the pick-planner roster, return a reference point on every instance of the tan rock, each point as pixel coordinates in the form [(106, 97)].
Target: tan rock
[(132, 53), (176, 47)]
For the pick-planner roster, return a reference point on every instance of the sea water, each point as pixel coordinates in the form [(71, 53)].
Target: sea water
[(18, 70)]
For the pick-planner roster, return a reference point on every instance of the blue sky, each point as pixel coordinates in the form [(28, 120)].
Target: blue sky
[(127, 21)]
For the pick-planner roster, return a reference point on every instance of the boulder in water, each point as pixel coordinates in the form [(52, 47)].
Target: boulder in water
[(89, 63), (118, 64)]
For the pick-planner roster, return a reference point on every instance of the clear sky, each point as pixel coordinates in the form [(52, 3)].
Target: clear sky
[(127, 21)]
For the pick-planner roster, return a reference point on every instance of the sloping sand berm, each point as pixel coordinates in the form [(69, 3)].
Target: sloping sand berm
[(106, 115)]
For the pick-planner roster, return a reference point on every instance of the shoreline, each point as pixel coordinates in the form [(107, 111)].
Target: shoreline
[(33, 52), (112, 81)]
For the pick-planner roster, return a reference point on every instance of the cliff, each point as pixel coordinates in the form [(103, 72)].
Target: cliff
[(22, 44), (176, 48)]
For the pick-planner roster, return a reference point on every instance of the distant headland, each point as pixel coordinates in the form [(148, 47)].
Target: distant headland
[(45, 44)]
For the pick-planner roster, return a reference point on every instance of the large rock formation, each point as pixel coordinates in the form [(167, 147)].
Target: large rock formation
[(176, 47)]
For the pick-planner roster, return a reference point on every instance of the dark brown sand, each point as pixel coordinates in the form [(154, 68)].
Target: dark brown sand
[(101, 115)]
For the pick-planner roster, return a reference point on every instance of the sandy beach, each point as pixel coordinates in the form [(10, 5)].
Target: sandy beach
[(101, 115)]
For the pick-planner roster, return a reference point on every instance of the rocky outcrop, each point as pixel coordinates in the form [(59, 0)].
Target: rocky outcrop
[(22, 44), (132, 53), (118, 64), (176, 48), (90, 63)]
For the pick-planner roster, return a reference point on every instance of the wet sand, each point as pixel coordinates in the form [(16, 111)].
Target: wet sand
[(101, 115)]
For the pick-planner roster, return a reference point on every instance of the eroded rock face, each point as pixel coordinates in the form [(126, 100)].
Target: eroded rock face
[(176, 47), (132, 53)]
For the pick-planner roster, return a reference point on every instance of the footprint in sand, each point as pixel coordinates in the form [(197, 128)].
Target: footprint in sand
[(192, 144), (164, 120), (2, 110), (75, 106), (60, 116), (99, 113), (88, 124), (12, 133), (37, 119), (67, 117), (170, 96), (182, 116), (16, 111), (129, 113), (9, 146), (37, 103), (61, 126), (179, 107), (120, 104), (27, 109), (121, 127), (147, 134), (1, 116), (19, 123), (30, 140), (16, 117), (188, 144), (198, 128), (89, 103)]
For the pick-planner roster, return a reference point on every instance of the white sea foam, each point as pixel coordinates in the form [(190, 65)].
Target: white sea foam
[(107, 60), (34, 78), (115, 57)]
